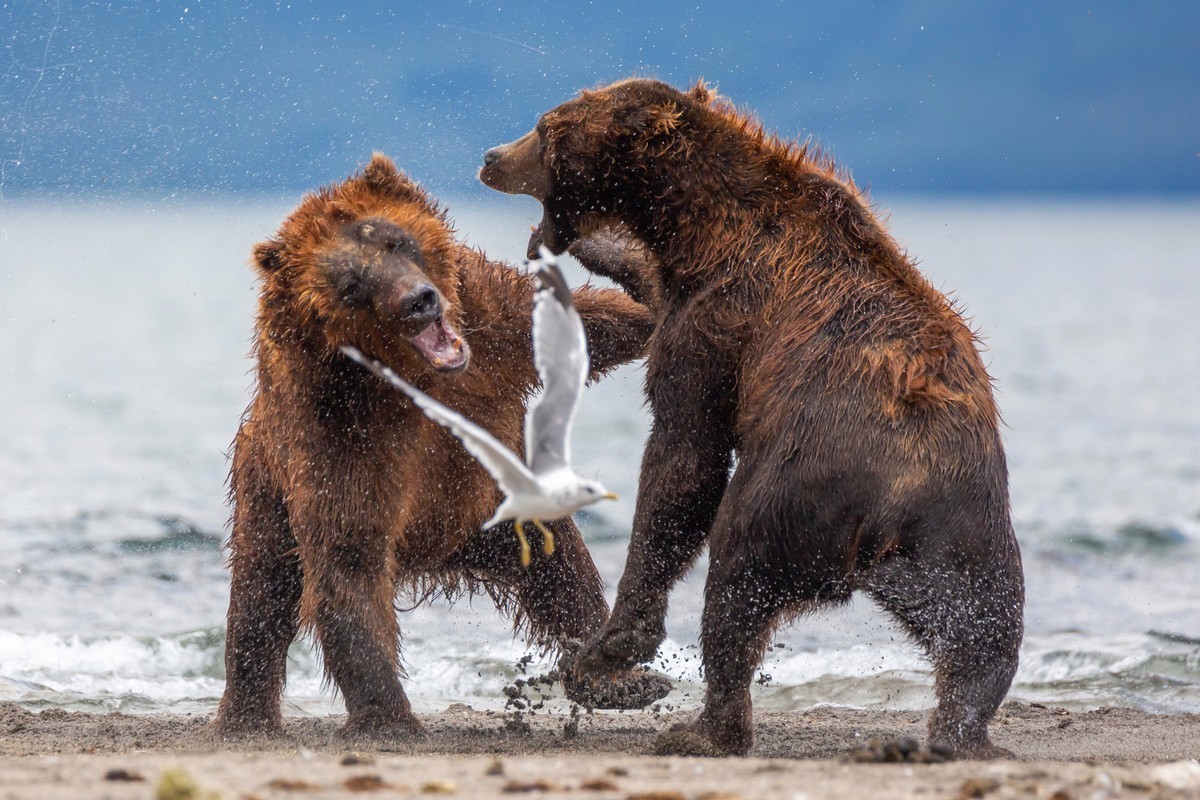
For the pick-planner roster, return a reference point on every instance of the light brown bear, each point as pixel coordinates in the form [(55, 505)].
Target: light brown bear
[(796, 334), (344, 492)]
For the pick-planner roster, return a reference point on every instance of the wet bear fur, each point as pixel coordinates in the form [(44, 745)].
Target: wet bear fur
[(796, 340), (344, 493)]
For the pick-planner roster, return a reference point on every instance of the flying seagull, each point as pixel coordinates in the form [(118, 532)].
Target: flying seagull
[(546, 488)]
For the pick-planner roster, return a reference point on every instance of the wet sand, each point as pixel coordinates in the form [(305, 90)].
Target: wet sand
[(1109, 752)]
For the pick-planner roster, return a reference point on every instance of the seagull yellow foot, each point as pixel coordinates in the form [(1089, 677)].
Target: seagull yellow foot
[(525, 557), (547, 537)]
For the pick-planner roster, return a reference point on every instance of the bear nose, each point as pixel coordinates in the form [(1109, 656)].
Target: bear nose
[(423, 301), (491, 156)]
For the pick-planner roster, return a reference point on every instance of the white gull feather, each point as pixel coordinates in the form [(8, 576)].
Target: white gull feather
[(544, 488)]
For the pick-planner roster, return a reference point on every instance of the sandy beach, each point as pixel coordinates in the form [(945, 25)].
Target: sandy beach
[(1109, 752)]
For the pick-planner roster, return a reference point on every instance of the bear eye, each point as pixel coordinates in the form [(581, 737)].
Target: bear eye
[(407, 247), (351, 285)]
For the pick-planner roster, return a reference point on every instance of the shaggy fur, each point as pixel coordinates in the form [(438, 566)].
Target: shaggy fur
[(343, 492), (792, 332)]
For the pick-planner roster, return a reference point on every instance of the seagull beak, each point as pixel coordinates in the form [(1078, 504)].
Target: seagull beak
[(610, 496)]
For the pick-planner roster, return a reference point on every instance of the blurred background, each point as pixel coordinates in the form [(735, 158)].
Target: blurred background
[(215, 98), (1040, 161)]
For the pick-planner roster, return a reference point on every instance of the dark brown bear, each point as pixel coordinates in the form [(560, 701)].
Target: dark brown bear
[(794, 333), (344, 492)]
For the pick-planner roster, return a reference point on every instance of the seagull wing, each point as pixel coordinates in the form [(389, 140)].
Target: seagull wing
[(512, 476), (561, 356)]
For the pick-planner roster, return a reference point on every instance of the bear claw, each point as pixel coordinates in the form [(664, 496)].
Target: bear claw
[(626, 690), (617, 650), (621, 687)]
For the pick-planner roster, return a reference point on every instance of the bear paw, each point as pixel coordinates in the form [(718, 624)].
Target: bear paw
[(617, 650), (373, 729), (693, 739), (629, 689), (975, 751), (231, 727)]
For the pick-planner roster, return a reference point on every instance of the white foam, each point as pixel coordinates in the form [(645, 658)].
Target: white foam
[(185, 673), (113, 671)]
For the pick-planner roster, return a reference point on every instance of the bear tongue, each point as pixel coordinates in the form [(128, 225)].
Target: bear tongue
[(441, 345)]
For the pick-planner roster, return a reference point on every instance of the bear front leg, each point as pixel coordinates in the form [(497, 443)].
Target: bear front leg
[(500, 301), (559, 599), (685, 470), (348, 597), (617, 328), (264, 606), (620, 260)]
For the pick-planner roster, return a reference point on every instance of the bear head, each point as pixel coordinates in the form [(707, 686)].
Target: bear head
[(582, 157), (370, 262)]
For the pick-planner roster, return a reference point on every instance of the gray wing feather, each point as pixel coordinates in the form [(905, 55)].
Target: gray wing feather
[(561, 357), (502, 463)]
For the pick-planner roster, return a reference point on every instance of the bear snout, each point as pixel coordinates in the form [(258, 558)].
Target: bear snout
[(425, 301), (413, 307), (516, 167)]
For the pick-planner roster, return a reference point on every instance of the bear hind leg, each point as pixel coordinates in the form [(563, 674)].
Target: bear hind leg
[(741, 608), (970, 625)]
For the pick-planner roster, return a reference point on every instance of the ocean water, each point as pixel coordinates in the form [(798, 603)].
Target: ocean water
[(124, 329)]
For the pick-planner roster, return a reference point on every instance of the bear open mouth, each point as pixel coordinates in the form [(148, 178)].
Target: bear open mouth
[(536, 240), (556, 230), (442, 347), (545, 233)]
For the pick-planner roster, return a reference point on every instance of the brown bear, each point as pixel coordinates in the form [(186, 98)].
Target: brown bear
[(822, 417), (344, 492)]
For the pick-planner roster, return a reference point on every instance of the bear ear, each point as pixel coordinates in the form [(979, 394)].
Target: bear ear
[(703, 92), (383, 176), (381, 172), (268, 256), (662, 118)]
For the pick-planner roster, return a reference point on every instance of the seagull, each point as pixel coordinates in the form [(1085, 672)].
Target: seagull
[(544, 487)]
